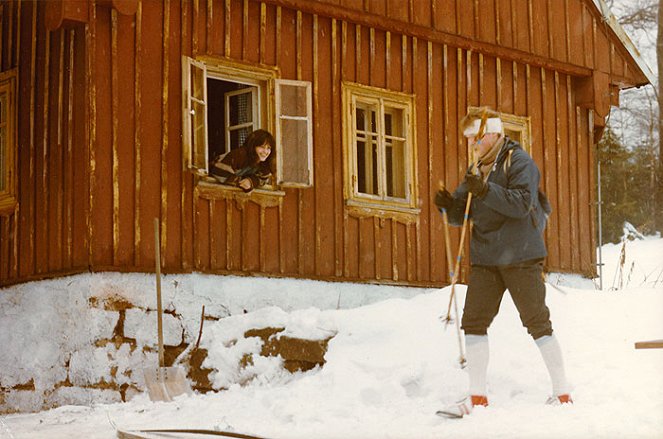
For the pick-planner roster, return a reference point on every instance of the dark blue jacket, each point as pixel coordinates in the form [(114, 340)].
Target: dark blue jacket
[(509, 220)]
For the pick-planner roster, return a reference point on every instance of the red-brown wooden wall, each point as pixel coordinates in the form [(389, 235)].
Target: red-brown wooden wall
[(99, 130)]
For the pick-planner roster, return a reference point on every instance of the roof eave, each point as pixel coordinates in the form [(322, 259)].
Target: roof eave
[(626, 41)]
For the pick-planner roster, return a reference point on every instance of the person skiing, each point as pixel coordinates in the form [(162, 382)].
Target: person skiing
[(509, 214)]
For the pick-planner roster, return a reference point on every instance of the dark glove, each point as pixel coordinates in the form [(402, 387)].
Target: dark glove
[(476, 185), (443, 199)]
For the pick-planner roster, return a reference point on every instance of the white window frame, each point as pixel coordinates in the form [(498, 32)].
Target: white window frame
[(281, 117), (195, 150), (254, 90), (356, 95)]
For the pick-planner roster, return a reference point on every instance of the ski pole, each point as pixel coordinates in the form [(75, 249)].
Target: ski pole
[(445, 220)]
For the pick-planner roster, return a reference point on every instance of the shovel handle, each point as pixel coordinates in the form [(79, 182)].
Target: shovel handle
[(157, 259)]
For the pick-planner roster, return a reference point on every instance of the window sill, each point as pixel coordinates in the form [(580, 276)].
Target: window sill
[(361, 208), (217, 191)]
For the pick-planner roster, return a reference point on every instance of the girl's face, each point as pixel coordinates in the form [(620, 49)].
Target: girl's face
[(263, 151)]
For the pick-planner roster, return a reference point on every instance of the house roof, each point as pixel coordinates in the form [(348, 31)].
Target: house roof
[(626, 41)]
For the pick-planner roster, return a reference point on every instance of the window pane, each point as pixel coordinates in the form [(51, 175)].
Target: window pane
[(367, 165), (293, 100), (294, 147), (395, 167), (197, 83), (241, 109), (361, 115), (393, 122), (198, 132), (238, 136)]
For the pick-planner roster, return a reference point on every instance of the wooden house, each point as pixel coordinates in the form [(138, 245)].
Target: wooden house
[(110, 111)]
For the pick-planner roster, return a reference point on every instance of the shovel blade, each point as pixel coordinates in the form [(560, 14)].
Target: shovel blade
[(165, 383)]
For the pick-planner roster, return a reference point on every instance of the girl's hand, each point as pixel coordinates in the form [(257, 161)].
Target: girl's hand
[(245, 184)]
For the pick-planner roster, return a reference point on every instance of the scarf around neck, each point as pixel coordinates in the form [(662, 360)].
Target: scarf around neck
[(486, 161)]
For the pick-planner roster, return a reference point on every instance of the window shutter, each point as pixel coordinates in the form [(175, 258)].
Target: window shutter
[(194, 115), (294, 133)]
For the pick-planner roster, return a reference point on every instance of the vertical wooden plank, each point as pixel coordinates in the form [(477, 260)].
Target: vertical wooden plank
[(251, 231), (487, 21), (26, 136), (420, 89), (507, 82), (325, 195), (286, 41), (228, 29), (337, 148), (590, 243), (202, 225), (69, 164), (230, 232), (309, 217), (263, 31), (367, 249), (550, 163), (194, 28), (42, 166), (56, 217), (165, 70), (114, 133), (488, 70), (430, 99), (377, 247), (421, 13), (575, 33), (317, 197), (81, 134), (152, 134), (186, 197), (465, 18), (358, 51), (138, 124), (210, 29), (588, 34), (445, 16), (213, 234), (103, 192), (406, 71), (397, 9), (540, 30), (573, 143), (174, 163), (394, 250), (585, 210), (562, 169)]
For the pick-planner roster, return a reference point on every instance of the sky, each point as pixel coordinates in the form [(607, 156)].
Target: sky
[(392, 363)]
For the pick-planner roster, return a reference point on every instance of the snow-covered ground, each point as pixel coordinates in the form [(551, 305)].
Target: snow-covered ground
[(392, 364)]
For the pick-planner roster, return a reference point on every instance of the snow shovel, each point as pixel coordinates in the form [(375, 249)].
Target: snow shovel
[(163, 383)]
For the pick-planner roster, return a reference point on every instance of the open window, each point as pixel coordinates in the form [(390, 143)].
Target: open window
[(380, 153), (224, 102), (7, 142)]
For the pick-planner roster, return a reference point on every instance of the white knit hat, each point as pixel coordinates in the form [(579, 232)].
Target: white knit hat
[(493, 125)]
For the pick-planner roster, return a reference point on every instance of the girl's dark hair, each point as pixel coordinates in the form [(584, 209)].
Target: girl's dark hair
[(259, 138)]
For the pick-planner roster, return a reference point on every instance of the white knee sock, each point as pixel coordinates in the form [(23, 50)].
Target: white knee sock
[(552, 356), (477, 362)]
